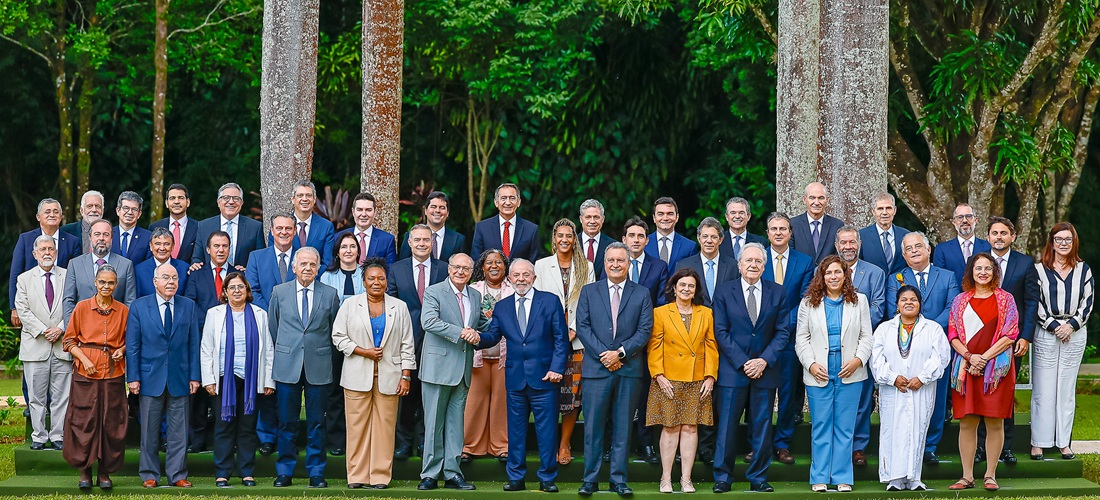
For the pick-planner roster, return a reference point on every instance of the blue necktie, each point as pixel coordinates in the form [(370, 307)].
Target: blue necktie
[(522, 316), (167, 318), (923, 282), (305, 307), (634, 270), (710, 279), (888, 250), (125, 243), (736, 246)]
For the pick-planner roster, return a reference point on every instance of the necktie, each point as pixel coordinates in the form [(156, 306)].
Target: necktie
[(616, 299), (420, 283), (506, 241), (232, 241), (710, 279), (125, 244), (167, 317), (305, 307), (816, 235), (522, 316), (176, 239), (634, 271), (218, 280), (780, 269), (282, 268), (966, 250), (435, 246), (923, 282), (591, 250), (664, 249), (750, 304), (99, 263), (1001, 264), (736, 246), (362, 248), (461, 308), (302, 233), (887, 249), (49, 290)]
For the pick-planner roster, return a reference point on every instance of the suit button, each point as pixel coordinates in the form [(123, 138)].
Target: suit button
[(525, 344), (693, 355)]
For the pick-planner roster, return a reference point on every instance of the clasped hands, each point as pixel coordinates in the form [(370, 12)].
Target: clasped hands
[(470, 335), (822, 375), (610, 360), (193, 386), (754, 368), (907, 384), (1063, 332)]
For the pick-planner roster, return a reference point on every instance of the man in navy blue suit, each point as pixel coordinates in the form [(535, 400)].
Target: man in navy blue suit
[(245, 234), (738, 215), (711, 265), (160, 247), (183, 228), (272, 266), (751, 327), (506, 231), (533, 323), (953, 254), (376, 242), (644, 268), (445, 241), (665, 242), (310, 229), (882, 239), (793, 271), (49, 218), (593, 241), (614, 322), (162, 358), (814, 232), (91, 210), (938, 288), (128, 239)]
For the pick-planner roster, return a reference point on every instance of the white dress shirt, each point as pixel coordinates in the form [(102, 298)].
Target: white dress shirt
[(757, 293), (465, 302), (427, 271), (786, 261), (511, 229), (526, 305), (438, 237), (365, 241), (1003, 263), (236, 220), (297, 225), (161, 302), (309, 297)]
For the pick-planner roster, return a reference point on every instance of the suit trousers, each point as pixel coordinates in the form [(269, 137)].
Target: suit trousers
[(861, 439), (371, 417), (939, 412), (608, 398), (791, 397), (267, 421), (410, 416), (732, 402), (290, 407), (175, 410), (544, 405), (444, 406), (200, 419), (486, 418), (833, 409), (238, 433), (334, 410), (48, 385), (1054, 368)]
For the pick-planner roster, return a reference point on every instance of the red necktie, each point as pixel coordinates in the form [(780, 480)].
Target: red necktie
[(420, 283), (302, 233), (175, 239), (591, 250), (505, 242), (218, 280), (362, 248)]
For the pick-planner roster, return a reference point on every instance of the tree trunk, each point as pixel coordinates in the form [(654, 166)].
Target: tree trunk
[(63, 97), (160, 91), (383, 58), (798, 97), (84, 130)]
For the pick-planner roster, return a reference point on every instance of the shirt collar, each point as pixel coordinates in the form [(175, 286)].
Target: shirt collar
[(427, 262), (455, 290), (881, 230), (745, 286), (640, 259), (812, 219), (972, 239), (786, 253), (298, 285), (611, 286), (236, 220), (368, 231), (307, 220), (927, 268), (706, 260), (161, 301)]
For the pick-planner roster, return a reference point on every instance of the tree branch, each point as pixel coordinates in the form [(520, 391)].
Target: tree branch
[(1080, 152), (28, 48), (765, 23), (1043, 47), (207, 23)]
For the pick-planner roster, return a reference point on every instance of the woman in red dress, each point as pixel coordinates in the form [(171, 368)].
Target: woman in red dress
[(982, 329)]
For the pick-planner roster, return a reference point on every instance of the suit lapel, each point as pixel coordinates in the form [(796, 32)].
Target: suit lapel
[(37, 290), (535, 309), (387, 329)]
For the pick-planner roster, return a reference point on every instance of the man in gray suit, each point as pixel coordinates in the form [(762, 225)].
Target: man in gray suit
[(300, 316), (614, 322), (80, 278), (451, 318)]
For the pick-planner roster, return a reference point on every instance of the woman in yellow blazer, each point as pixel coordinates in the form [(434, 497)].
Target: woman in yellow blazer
[(683, 359)]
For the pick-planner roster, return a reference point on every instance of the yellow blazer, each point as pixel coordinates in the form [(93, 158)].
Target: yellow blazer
[(682, 355)]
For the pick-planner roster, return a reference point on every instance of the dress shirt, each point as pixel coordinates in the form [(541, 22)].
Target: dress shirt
[(630, 266), (438, 237), (232, 233), (183, 224), (465, 302), (58, 287), (881, 230), (916, 274), (160, 304), (1003, 263), (367, 233), (526, 305), (240, 345), (106, 261), (427, 271), (297, 224), (962, 243), (56, 244), (786, 261), (279, 255), (661, 240), (585, 238), (511, 230), (309, 297), (733, 238), (757, 293), (706, 263)]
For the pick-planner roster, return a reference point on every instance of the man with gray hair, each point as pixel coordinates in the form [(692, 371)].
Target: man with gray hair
[(91, 210), (883, 247), (711, 265), (310, 229), (738, 214), (66, 247), (954, 253), (80, 278), (161, 244), (245, 234), (129, 240), (593, 241)]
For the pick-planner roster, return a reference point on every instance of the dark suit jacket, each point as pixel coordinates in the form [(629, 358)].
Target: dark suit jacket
[(726, 248), (402, 285), (803, 241), (653, 276), (22, 258), (870, 248), (525, 244), (727, 271), (382, 244), (250, 237), (200, 289), (138, 250), (144, 272), (938, 294), (797, 275), (263, 275), (187, 240), (682, 248), (740, 341), (594, 329), (601, 246), (453, 242), (76, 229), (543, 347), (158, 360), (321, 237), (1022, 281), (948, 255)]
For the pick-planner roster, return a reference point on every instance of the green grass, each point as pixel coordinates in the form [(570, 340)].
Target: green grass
[(11, 387)]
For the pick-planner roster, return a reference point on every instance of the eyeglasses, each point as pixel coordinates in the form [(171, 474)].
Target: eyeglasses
[(964, 217), (129, 210), (464, 269), (227, 198), (236, 288), (168, 278), (103, 284), (1063, 241)]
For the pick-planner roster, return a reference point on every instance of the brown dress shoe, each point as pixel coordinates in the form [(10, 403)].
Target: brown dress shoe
[(858, 458), (784, 456), (182, 483), (149, 483)]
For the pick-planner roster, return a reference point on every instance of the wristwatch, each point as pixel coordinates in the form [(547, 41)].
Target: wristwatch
[(622, 355)]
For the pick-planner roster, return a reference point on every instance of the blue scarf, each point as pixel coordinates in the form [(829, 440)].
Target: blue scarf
[(251, 349)]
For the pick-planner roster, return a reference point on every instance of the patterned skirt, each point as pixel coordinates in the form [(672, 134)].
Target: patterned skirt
[(685, 407), (570, 397)]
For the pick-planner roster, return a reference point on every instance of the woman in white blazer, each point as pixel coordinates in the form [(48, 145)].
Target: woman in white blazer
[(833, 342), (235, 334), (374, 332)]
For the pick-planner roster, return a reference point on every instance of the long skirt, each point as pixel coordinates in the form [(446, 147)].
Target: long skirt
[(95, 425)]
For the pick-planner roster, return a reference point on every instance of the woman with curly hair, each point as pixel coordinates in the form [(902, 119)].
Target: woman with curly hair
[(485, 430)]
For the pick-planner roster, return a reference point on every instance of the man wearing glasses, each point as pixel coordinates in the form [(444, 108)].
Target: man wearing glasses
[(80, 278), (953, 254), (245, 233), (127, 239)]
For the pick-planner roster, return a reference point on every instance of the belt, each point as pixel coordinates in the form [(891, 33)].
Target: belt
[(106, 350), (1062, 316)]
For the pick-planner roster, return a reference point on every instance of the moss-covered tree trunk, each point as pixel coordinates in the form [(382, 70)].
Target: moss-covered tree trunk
[(383, 55)]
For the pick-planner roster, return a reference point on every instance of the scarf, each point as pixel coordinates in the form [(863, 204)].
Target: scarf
[(251, 347), (1007, 326)]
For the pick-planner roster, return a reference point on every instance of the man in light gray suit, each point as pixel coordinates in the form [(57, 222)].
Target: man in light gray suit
[(80, 278), (46, 365), (300, 317), (451, 318)]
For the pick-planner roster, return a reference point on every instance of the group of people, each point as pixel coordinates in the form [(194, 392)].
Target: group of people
[(446, 350)]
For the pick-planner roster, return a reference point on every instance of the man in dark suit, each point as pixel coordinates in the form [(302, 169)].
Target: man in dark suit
[(445, 241), (182, 227), (711, 265), (160, 247), (67, 246), (533, 323), (751, 327), (80, 275), (378, 243), (162, 358), (614, 321), (204, 285), (245, 234), (953, 254), (300, 316), (738, 215), (593, 241), (814, 232), (310, 229), (938, 289), (793, 271), (270, 266), (665, 242), (506, 231), (408, 279), (91, 210), (883, 238), (128, 239), (643, 267)]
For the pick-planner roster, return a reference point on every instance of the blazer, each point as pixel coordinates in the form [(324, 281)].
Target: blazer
[(870, 248), (739, 340), (301, 347), (936, 300), (601, 247), (187, 240), (948, 255), (138, 250), (727, 271), (162, 360), (681, 354), (811, 339), (402, 285), (796, 280), (548, 279), (382, 244), (682, 248), (726, 247), (22, 258), (871, 282), (335, 279), (144, 272), (352, 329), (212, 349), (652, 276), (38, 316), (76, 228), (250, 237), (447, 359), (525, 244), (201, 290), (263, 274), (321, 237), (80, 281), (1022, 280), (634, 326), (542, 348), (802, 239), (453, 242)]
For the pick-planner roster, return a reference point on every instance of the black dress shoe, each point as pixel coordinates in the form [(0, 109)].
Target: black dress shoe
[(548, 487), (722, 487), (267, 449), (336, 452), (799, 419), (402, 453), (355, 486), (222, 483), (607, 456), (248, 482), (84, 484), (105, 484), (458, 483), (515, 486), (58, 446), (763, 487), (282, 481), (317, 482), (587, 489), (931, 458), (706, 456), (979, 455), (38, 446), (1007, 457), (650, 455), (428, 483), (622, 489), (379, 486)]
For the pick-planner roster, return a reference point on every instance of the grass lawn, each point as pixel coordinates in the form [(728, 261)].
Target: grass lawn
[(10, 387)]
